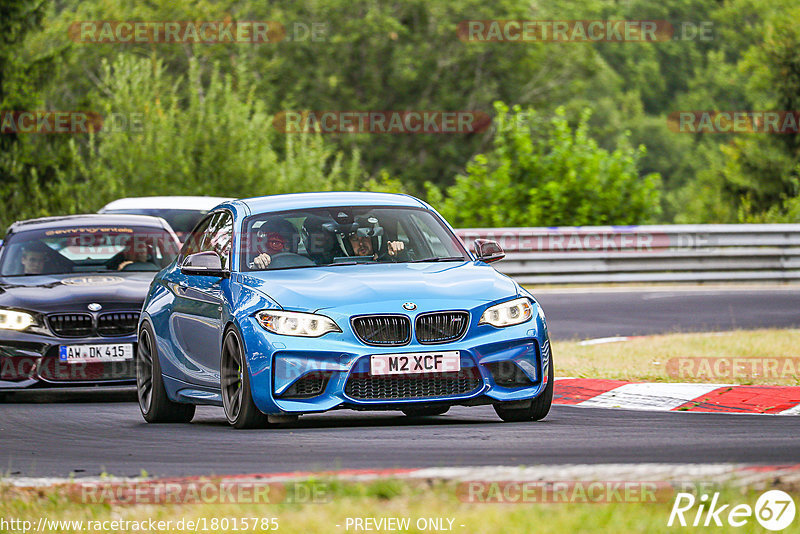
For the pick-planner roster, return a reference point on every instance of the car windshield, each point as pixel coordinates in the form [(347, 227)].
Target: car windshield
[(86, 249), (346, 236), (181, 221)]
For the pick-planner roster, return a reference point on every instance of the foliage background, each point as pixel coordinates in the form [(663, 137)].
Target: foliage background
[(579, 132)]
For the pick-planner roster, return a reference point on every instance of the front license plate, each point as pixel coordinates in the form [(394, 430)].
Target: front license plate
[(415, 362), (95, 353)]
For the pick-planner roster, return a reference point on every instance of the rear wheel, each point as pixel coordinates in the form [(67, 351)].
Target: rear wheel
[(534, 410), (237, 397), (153, 401), (426, 411)]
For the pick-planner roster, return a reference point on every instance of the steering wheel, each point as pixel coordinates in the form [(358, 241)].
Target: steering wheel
[(289, 259), (141, 266)]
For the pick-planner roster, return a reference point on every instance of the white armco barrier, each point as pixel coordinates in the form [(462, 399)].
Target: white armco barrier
[(666, 253)]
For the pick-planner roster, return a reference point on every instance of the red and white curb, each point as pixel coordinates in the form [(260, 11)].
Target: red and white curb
[(670, 397)]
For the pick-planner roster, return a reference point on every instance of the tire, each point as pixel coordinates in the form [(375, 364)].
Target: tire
[(426, 411), (150, 391), (536, 409), (237, 397)]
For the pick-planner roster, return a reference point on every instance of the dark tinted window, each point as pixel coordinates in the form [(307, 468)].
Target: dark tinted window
[(194, 243), (181, 221), (219, 237), (84, 248), (346, 235)]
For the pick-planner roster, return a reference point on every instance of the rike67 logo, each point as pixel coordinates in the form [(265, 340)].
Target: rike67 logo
[(774, 510)]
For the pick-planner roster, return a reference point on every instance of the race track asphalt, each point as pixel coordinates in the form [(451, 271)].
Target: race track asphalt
[(90, 438), (88, 433), (587, 314)]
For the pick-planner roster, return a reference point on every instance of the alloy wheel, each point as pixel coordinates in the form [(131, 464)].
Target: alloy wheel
[(232, 379), (144, 371)]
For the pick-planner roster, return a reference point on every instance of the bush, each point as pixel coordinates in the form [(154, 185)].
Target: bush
[(541, 172)]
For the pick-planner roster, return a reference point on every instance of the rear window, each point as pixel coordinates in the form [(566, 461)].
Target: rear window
[(181, 221)]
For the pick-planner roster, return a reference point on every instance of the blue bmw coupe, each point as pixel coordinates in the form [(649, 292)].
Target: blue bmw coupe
[(285, 305)]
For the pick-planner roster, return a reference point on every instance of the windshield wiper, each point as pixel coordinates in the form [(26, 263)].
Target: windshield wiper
[(451, 258)]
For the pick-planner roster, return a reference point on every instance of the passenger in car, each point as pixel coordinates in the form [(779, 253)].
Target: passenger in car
[(136, 256), (320, 242), (363, 242)]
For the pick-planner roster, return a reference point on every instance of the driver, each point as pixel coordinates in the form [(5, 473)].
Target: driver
[(275, 236), (34, 258)]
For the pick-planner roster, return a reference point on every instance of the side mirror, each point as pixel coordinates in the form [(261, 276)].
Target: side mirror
[(204, 264), (488, 251)]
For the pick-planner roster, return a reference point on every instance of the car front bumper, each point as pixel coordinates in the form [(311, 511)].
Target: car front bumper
[(32, 360), (286, 373)]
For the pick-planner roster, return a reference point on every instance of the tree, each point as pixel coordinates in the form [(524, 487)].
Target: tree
[(542, 172), (196, 137)]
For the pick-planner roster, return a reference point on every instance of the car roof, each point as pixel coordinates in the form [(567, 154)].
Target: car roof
[(163, 203), (324, 199), (94, 219)]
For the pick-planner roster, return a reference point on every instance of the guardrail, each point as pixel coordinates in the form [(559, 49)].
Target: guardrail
[(666, 253)]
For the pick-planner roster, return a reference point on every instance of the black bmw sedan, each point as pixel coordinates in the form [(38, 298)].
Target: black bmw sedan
[(71, 289)]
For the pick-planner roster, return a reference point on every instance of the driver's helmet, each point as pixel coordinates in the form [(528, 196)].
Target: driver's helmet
[(276, 236), (320, 239), (362, 226)]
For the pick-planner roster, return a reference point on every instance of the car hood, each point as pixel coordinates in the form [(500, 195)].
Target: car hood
[(368, 287), (73, 292)]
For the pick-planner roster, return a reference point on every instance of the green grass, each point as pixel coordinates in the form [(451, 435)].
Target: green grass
[(665, 358), (385, 498)]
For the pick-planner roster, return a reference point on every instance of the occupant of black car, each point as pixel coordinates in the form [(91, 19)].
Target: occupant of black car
[(365, 240), (135, 256), (34, 258), (275, 236)]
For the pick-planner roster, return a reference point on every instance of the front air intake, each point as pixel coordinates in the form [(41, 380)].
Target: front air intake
[(363, 386)]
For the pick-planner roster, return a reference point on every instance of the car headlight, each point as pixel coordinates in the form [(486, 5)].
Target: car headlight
[(15, 320), (508, 313), (297, 324)]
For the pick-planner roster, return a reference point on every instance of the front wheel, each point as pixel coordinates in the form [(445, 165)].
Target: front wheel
[(237, 397), (153, 401), (536, 409)]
